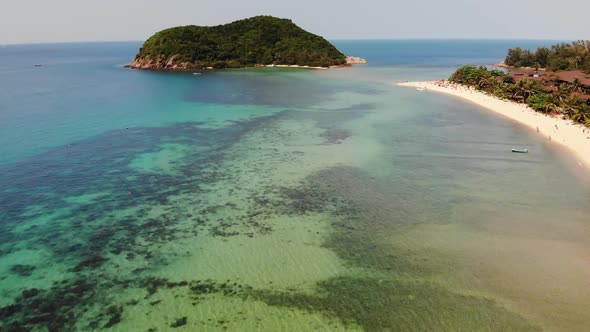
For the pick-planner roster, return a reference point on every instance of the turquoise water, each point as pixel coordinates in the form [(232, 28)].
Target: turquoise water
[(279, 199)]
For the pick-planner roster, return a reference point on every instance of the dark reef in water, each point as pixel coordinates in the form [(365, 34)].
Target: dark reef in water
[(56, 309), (84, 300), (179, 322), (336, 135), (90, 263), (350, 196), (60, 308), (46, 178), (384, 305), (23, 270), (114, 313)]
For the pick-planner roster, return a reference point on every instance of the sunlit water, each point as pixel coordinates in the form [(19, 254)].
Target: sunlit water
[(274, 199)]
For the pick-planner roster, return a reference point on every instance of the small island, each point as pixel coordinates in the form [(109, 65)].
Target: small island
[(257, 41)]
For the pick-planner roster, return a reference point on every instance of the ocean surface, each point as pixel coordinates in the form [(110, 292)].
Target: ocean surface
[(280, 199)]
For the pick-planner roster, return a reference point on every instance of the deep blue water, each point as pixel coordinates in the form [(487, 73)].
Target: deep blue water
[(434, 53)]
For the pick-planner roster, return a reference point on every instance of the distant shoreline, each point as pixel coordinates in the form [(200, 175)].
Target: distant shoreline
[(574, 137), (188, 70), (186, 67)]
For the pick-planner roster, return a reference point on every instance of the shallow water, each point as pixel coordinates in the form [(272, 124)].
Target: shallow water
[(279, 200)]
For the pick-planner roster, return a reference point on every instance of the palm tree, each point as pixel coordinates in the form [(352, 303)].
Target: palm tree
[(577, 86), (551, 105), (525, 88), (581, 114), (563, 92), (518, 92), (487, 83), (574, 107)]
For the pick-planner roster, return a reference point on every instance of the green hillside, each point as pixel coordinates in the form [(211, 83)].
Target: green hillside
[(260, 40)]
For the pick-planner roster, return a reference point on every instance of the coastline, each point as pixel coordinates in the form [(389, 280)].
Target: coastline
[(170, 65), (575, 138), (189, 69)]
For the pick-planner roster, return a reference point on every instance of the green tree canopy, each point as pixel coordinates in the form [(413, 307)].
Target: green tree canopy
[(257, 40), (564, 56), (540, 96)]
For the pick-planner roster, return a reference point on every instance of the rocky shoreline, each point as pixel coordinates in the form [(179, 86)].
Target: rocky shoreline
[(353, 60), (170, 64)]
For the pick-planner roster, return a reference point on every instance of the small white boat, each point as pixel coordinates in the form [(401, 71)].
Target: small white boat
[(520, 150), (421, 89), (197, 73)]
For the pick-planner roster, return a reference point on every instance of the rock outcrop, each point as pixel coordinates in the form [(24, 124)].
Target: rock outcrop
[(353, 60)]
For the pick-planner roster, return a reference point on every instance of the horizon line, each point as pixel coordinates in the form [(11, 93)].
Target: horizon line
[(329, 39)]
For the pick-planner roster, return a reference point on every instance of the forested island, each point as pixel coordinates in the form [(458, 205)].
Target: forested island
[(552, 80), (256, 41)]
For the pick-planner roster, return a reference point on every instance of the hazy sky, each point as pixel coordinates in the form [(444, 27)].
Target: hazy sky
[(25, 21)]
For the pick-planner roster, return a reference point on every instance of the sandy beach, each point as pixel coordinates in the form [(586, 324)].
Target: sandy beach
[(574, 137)]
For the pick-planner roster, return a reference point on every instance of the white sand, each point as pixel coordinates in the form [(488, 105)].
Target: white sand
[(296, 66), (575, 138)]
